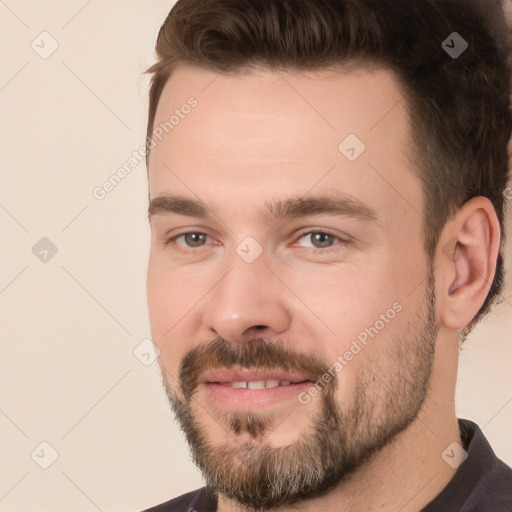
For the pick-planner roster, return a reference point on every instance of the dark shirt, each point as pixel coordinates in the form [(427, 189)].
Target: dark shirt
[(482, 483)]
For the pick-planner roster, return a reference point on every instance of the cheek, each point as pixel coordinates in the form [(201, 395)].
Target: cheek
[(160, 302), (343, 299), (170, 306), (352, 313), (169, 292), (374, 352)]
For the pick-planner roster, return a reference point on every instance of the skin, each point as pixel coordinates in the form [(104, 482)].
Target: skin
[(273, 135)]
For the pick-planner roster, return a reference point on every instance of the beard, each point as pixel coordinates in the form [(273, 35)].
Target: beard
[(388, 395)]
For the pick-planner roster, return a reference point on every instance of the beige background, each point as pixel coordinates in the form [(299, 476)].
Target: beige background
[(70, 325)]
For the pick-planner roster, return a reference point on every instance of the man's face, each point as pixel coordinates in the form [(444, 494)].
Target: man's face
[(266, 291)]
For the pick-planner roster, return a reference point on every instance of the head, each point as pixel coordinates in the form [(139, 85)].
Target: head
[(332, 188)]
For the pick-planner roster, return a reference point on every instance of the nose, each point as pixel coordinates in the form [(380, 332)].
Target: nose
[(247, 302)]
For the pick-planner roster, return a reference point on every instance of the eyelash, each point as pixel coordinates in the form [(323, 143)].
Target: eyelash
[(315, 250)]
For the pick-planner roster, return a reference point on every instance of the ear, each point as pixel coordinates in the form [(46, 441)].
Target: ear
[(466, 261)]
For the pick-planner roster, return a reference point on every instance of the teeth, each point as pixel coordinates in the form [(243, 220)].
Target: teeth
[(257, 384)]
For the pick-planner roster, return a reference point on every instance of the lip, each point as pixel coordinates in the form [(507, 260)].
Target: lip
[(216, 386), (248, 374)]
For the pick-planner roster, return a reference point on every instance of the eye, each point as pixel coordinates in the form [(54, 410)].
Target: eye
[(321, 241), (191, 240)]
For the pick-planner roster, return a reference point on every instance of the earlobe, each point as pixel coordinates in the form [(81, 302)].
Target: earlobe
[(469, 266)]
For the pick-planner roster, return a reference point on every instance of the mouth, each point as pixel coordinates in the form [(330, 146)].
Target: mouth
[(249, 390), (259, 384)]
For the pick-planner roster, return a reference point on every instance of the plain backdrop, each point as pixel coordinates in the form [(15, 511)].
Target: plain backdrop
[(76, 391)]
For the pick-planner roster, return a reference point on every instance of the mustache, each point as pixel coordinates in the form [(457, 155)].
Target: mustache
[(255, 353)]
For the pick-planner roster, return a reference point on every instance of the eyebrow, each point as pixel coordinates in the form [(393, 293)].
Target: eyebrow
[(275, 210)]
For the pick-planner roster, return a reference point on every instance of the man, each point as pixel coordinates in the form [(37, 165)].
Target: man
[(326, 182)]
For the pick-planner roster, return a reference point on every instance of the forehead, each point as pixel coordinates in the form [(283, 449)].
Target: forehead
[(282, 133)]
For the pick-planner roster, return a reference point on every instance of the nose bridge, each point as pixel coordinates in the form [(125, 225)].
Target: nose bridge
[(248, 296)]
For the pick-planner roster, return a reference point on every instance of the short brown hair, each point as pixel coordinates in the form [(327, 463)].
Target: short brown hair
[(459, 107)]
